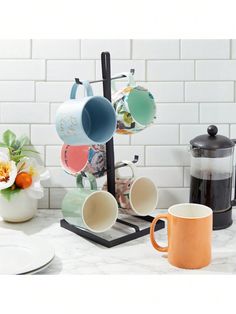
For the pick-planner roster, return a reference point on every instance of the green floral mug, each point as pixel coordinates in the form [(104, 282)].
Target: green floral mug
[(134, 105)]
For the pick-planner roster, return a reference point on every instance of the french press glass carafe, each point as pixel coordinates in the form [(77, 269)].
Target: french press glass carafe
[(211, 175)]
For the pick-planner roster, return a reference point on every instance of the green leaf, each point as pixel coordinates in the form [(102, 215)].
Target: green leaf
[(2, 144), (23, 140), (9, 138), (29, 150), (17, 158), (8, 193)]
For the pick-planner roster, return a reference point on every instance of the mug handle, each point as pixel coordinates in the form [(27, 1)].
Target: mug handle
[(87, 87), (90, 177), (129, 164), (130, 77), (152, 233)]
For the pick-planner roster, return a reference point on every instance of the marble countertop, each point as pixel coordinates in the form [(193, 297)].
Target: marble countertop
[(76, 255)]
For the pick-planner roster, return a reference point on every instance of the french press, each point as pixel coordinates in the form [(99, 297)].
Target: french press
[(211, 175)]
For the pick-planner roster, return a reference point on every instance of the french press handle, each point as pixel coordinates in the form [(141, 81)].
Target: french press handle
[(233, 202)]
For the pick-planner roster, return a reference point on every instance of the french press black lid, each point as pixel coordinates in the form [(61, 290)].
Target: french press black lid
[(211, 145)]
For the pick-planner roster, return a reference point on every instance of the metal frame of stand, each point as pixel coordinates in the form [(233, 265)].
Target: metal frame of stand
[(137, 232)]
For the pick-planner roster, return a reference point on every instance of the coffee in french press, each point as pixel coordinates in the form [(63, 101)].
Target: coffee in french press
[(211, 175)]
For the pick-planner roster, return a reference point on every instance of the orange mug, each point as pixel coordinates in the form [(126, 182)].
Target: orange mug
[(189, 235)]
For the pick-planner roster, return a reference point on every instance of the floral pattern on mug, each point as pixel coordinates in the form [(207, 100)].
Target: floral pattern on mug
[(122, 194), (125, 122), (96, 160)]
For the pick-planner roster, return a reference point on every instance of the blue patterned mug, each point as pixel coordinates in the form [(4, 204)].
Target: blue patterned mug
[(90, 120)]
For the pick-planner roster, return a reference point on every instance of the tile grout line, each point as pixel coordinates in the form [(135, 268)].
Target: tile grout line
[(80, 44), (131, 49), (80, 49), (180, 49), (234, 91), (49, 197), (31, 48), (199, 112)]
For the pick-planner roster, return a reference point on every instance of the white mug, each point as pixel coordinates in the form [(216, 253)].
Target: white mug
[(135, 195)]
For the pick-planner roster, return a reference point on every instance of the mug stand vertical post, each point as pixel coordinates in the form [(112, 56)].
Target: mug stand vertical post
[(129, 228)]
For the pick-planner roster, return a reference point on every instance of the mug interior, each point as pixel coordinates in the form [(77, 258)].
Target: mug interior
[(100, 211), (142, 106), (74, 158), (99, 119), (190, 210), (143, 196)]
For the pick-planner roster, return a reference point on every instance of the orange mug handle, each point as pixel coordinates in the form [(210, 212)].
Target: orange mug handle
[(152, 233)]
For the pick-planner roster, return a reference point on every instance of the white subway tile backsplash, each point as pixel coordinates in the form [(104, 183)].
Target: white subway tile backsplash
[(56, 197), (157, 135), (22, 69), (121, 139), (14, 48), (67, 70), (128, 152), (170, 70), (120, 66), (53, 110), (218, 113), (155, 49), (209, 91), (166, 91), (233, 131), (163, 176), (44, 134), (172, 196), (52, 91), (56, 49), (167, 156), (43, 203), (25, 112), (59, 178), (205, 49), (188, 132), (98, 88), (16, 91), (18, 129), (177, 113), (233, 48), (53, 154), (193, 82), (92, 48), (216, 70)]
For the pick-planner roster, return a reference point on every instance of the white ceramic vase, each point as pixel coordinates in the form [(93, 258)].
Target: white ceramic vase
[(21, 207)]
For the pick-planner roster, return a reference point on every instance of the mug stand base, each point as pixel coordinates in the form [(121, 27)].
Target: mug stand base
[(123, 231)]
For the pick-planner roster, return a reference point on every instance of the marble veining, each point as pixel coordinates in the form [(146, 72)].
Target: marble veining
[(76, 255)]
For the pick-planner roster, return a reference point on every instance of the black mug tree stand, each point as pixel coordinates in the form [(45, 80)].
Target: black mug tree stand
[(123, 230)]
